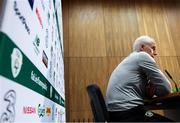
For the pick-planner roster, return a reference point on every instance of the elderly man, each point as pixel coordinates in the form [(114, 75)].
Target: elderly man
[(127, 87)]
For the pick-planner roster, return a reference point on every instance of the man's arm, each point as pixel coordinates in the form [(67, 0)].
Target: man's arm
[(157, 78)]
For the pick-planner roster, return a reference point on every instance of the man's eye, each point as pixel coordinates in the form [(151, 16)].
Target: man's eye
[(153, 48)]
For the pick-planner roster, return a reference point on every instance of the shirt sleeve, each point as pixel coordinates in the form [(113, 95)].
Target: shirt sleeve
[(149, 67)]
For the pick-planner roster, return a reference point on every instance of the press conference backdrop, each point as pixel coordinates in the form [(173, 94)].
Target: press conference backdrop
[(31, 61)]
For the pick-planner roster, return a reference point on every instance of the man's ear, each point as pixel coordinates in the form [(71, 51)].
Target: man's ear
[(142, 47)]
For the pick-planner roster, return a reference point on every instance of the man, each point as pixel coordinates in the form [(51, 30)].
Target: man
[(128, 84)]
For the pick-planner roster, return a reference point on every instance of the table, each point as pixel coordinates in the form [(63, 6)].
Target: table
[(169, 103)]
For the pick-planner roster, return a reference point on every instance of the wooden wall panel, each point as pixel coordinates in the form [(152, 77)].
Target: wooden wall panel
[(152, 21), (171, 64), (82, 72), (67, 97), (65, 11), (172, 10), (121, 27), (98, 34), (86, 35)]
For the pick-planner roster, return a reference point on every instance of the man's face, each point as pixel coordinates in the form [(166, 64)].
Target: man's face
[(149, 48)]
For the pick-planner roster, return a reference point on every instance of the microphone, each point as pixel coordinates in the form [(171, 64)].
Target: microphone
[(171, 79)]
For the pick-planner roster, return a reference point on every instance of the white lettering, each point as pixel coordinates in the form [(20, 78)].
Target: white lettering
[(37, 80)]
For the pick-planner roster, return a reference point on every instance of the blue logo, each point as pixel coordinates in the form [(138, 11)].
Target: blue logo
[(21, 17), (41, 110), (31, 3)]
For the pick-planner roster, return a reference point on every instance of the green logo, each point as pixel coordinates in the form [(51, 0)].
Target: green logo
[(16, 62), (36, 44)]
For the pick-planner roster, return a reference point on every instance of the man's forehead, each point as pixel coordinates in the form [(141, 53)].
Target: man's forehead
[(153, 43)]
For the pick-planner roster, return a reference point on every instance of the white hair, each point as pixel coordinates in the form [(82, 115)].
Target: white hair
[(142, 40)]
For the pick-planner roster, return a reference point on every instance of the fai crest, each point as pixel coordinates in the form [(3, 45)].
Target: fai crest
[(16, 62)]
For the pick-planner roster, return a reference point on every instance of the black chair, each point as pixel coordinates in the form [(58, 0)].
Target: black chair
[(97, 102)]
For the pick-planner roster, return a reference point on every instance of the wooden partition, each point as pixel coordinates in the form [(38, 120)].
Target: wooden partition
[(98, 34)]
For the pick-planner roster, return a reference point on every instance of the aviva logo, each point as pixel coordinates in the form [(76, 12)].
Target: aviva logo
[(16, 62), (31, 3)]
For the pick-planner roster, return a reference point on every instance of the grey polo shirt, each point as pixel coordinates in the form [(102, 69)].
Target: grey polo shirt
[(126, 87)]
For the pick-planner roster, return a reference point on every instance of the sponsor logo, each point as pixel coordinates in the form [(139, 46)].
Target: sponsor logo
[(50, 4), (36, 79), (54, 76), (62, 101), (9, 115), (48, 18), (36, 44), (56, 96), (41, 110), (58, 117), (45, 59), (53, 17), (62, 115), (21, 17), (53, 112), (51, 64), (52, 34), (29, 110), (42, 3), (39, 17), (31, 3), (56, 113), (46, 38), (48, 111), (50, 69), (51, 91), (16, 62)]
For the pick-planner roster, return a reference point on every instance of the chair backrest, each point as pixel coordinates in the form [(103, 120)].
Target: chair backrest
[(98, 105)]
